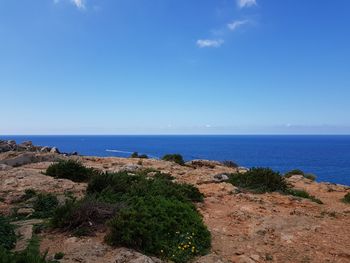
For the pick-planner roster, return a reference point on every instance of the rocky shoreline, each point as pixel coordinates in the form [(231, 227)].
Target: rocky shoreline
[(245, 227)]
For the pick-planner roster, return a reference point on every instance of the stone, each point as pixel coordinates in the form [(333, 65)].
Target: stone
[(4, 167), (19, 160), (245, 259), (4, 147), (131, 256), (25, 211), (131, 168), (221, 177), (24, 230), (54, 150), (45, 149)]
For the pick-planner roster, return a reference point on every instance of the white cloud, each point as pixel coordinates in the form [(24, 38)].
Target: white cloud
[(246, 3), (209, 43), (80, 4), (236, 24)]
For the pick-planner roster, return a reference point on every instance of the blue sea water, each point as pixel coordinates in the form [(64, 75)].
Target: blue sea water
[(326, 156)]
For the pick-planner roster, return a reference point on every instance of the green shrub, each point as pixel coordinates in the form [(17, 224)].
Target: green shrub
[(167, 228), (59, 255), (230, 164), (303, 194), (346, 198), (176, 158), (30, 255), (44, 205), (309, 176), (28, 194), (70, 169), (83, 217), (136, 155), (120, 186), (7, 234), (259, 180), (151, 214)]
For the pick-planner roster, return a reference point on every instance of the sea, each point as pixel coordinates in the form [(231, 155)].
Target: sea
[(326, 156)]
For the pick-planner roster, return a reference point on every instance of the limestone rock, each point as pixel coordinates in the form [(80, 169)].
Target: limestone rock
[(221, 177)]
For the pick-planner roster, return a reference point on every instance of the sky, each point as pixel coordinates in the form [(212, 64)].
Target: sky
[(175, 67)]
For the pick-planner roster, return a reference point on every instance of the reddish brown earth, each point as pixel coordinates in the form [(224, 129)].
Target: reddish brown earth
[(245, 227)]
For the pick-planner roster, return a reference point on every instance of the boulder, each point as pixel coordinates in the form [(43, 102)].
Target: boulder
[(19, 160), (54, 150), (45, 149), (4, 147), (220, 178), (131, 168)]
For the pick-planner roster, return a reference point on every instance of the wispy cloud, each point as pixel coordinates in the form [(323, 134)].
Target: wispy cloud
[(237, 24), (246, 3), (202, 43), (80, 4)]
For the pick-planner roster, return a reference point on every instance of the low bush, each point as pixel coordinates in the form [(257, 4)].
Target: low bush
[(346, 198), (121, 186), (72, 170), (83, 217), (30, 255), (58, 255), (167, 228), (309, 176), (176, 158), (230, 164), (44, 205), (260, 180), (7, 234), (136, 155), (152, 214), (303, 194), (28, 194)]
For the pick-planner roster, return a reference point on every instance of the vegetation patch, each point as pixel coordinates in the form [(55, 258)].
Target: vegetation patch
[(137, 155), (72, 170), (168, 228), (44, 205), (122, 186), (176, 158), (30, 255), (7, 234), (28, 194), (309, 176), (230, 164), (303, 194), (83, 217), (151, 214), (260, 180), (346, 198)]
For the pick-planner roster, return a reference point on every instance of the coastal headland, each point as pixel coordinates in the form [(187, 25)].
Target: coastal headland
[(245, 226)]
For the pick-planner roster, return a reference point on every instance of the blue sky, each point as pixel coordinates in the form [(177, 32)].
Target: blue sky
[(174, 66)]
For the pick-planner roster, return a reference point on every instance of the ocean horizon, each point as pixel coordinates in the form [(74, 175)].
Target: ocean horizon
[(326, 156)]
